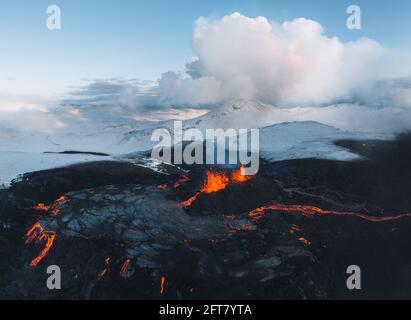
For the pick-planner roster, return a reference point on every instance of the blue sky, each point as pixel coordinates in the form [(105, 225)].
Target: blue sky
[(142, 39)]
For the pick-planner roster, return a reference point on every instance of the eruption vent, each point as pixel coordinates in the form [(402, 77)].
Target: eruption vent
[(218, 180)]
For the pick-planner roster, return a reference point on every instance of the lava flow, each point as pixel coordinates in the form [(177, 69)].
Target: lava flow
[(185, 178), (162, 285), (240, 176), (124, 268), (105, 270), (310, 211), (304, 241), (218, 180), (41, 207), (38, 233), (54, 207)]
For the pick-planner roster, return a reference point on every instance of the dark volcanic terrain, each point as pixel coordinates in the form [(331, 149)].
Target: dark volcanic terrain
[(121, 231)]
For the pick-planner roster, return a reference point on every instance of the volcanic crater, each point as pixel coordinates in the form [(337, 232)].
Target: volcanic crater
[(119, 230)]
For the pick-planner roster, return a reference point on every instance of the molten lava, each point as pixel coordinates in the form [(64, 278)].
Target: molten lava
[(41, 207), (54, 207), (294, 229), (38, 233), (124, 268), (239, 175), (310, 211), (218, 180), (305, 210), (215, 181), (185, 178), (304, 241), (105, 270), (162, 285)]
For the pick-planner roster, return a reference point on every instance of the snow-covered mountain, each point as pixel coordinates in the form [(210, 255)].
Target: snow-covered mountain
[(235, 115), (305, 139), (109, 130), (238, 115)]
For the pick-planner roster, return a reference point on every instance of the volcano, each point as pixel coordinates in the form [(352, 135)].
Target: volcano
[(127, 231), (123, 225), (109, 135)]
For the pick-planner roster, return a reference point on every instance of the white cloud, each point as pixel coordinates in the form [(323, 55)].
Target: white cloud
[(287, 65), (25, 113), (28, 119), (290, 64)]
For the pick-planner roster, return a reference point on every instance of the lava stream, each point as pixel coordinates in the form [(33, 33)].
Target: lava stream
[(162, 285), (124, 268), (218, 180), (38, 233), (310, 211), (105, 270), (54, 207), (41, 207), (304, 241), (240, 176), (185, 178)]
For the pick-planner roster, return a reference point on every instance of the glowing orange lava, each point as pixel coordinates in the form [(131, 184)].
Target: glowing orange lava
[(294, 229), (310, 211), (105, 270), (239, 176), (124, 268), (215, 181), (305, 241), (54, 207), (304, 210), (218, 180), (41, 207), (162, 285), (185, 178), (38, 233)]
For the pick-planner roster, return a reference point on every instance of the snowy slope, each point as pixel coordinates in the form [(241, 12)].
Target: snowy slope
[(281, 139), (91, 129), (13, 164), (308, 139), (238, 115), (110, 130)]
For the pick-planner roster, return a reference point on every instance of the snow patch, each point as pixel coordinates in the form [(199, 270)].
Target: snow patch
[(14, 164)]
